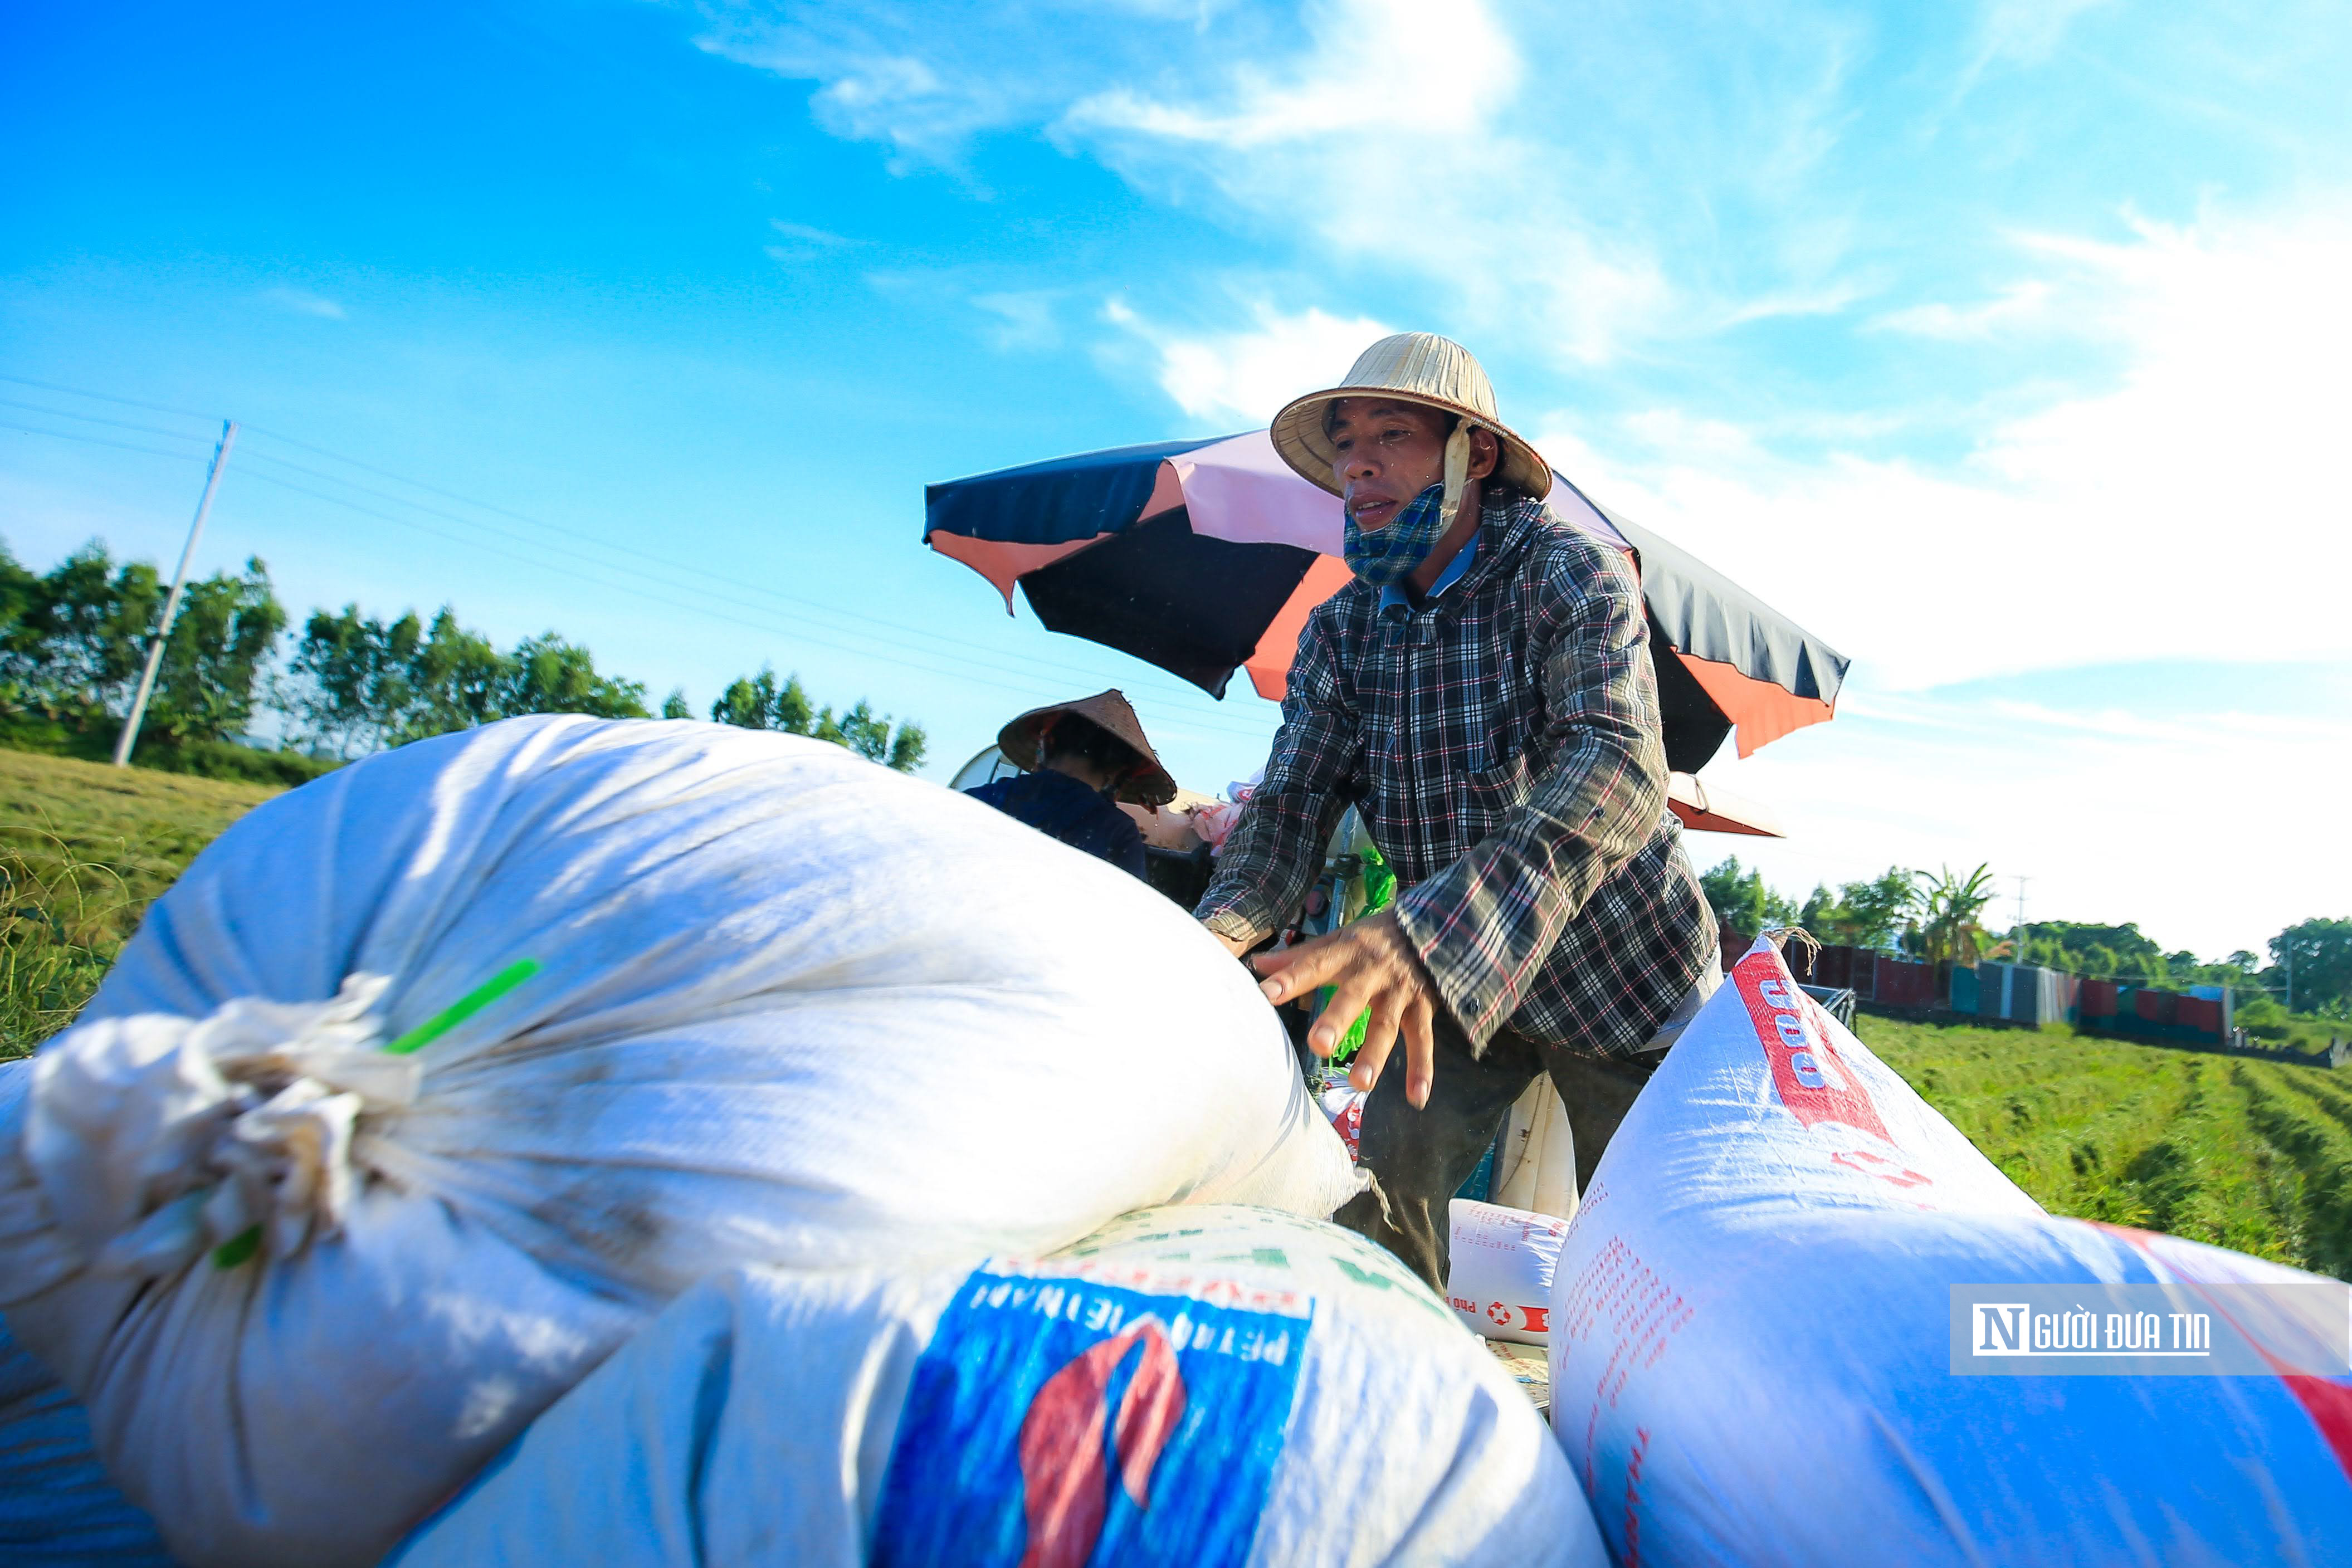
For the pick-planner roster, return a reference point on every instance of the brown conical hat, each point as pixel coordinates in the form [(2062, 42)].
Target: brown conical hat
[(1151, 787), (1411, 367)]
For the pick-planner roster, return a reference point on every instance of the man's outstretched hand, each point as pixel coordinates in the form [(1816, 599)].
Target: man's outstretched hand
[(1375, 975)]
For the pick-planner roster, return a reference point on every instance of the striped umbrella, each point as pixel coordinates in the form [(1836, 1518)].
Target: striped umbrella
[(1204, 557)]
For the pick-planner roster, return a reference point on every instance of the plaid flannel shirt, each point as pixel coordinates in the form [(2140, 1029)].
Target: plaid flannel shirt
[(1503, 744)]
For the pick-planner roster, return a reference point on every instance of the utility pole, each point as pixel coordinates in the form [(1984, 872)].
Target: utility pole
[(2020, 954), (129, 735)]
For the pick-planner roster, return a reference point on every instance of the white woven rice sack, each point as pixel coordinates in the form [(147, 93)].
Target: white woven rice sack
[(1499, 1273), (58, 1510), (1754, 1358), (789, 1008), (1194, 1388)]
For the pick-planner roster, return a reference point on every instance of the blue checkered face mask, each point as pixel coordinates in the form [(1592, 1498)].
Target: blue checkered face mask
[(1386, 557), (1390, 555)]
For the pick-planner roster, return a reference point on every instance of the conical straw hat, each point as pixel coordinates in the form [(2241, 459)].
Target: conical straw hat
[(1019, 742), (1411, 367)]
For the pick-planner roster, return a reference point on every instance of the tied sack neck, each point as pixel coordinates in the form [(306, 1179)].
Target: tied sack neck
[(156, 1139)]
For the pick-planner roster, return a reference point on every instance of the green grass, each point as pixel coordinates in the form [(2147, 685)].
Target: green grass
[(2255, 1156), (84, 849)]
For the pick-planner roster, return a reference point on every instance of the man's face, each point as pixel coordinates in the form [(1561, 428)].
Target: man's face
[(1389, 453)]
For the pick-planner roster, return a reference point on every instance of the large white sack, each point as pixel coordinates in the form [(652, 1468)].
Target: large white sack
[(1752, 1354), (791, 1007), (1501, 1262), (1194, 1387), (58, 1510)]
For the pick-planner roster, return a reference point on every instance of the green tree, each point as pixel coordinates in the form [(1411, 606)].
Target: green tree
[(674, 706), (1741, 901), (757, 702), (1949, 908), (2320, 954), (74, 641), (19, 590), (363, 684), (350, 680), (456, 680), (211, 676), (79, 641), (1870, 914), (547, 674)]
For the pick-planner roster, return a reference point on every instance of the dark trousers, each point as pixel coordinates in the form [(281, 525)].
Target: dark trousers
[(1419, 1159)]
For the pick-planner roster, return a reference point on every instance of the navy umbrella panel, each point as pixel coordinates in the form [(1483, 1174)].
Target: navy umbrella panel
[(1205, 557)]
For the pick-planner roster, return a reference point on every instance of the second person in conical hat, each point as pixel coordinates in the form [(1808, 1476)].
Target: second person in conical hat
[(1484, 693), (1078, 758)]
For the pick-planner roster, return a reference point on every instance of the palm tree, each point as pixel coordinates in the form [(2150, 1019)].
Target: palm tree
[(1950, 905)]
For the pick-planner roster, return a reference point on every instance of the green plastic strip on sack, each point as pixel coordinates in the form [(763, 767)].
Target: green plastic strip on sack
[(242, 1246)]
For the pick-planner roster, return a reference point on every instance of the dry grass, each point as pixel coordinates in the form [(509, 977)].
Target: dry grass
[(84, 849)]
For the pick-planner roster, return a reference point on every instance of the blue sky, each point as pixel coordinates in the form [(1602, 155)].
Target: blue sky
[(2002, 345)]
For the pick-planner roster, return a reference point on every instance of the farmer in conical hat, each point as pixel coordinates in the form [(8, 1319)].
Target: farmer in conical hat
[(1079, 759), (1484, 693)]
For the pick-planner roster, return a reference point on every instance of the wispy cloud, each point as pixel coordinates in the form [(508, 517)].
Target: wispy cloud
[(804, 242), (2193, 508), (2018, 305), (1026, 318), (302, 302), (1471, 152), (1243, 376)]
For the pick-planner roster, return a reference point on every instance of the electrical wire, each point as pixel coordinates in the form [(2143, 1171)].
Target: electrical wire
[(105, 397), (543, 564), (99, 418), (1187, 695), (988, 653), (98, 441), (249, 430)]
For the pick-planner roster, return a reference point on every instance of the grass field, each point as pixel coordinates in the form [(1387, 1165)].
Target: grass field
[(84, 847), (2251, 1154)]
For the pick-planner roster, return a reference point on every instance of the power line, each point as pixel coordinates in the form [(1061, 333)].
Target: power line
[(100, 419), (1216, 722), (543, 564), (252, 431), (95, 441), (107, 397), (990, 652)]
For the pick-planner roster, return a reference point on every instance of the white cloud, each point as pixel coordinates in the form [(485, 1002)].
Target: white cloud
[(1475, 152), (2194, 508), (809, 235), (1397, 68), (2026, 31), (2183, 822), (302, 302), (2021, 305), (1245, 376), (1023, 318)]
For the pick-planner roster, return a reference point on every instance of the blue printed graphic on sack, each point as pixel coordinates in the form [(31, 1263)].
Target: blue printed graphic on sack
[(1061, 1420)]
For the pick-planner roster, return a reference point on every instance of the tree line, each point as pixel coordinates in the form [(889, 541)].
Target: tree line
[(1937, 917), (73, 640)]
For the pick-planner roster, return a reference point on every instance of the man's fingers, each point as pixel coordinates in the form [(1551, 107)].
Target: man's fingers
[(1353, 996), (1381, 1020), (1420, 1050), (1295, 972), (1368, 1062)]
